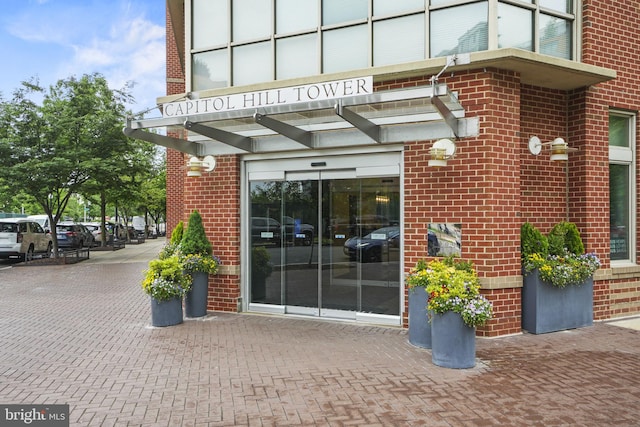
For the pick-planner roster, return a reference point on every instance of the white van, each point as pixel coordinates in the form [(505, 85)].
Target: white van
[(43, 220), (139, 224)]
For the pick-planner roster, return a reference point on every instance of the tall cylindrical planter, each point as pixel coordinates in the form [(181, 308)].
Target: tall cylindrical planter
[(195, 302), (453, 343), (419, 325), (166, 312)]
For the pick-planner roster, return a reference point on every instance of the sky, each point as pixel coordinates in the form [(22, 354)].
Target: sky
[(124, 40)]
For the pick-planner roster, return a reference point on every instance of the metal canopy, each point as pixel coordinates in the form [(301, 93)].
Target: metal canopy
[(395, 116)]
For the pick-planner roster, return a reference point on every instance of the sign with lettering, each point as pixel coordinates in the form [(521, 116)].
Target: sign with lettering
[(280, 96)]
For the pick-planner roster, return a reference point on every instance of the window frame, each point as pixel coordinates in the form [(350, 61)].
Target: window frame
[(492, 19), (626, 156)]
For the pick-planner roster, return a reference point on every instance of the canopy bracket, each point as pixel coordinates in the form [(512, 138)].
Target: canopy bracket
[(367, 127), (228, 138), (178, 144), (296, 134), (447, 115)]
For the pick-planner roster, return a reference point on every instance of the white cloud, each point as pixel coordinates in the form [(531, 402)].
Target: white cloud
[(115, 39)]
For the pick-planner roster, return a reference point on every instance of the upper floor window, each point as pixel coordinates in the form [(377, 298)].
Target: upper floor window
[(296, 38)]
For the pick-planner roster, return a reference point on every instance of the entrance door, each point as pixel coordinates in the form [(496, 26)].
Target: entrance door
[(326, 244)]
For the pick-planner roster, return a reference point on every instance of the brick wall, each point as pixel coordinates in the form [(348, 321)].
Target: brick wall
[(175, 159), (610, 39), (216, 195), (479, 188)]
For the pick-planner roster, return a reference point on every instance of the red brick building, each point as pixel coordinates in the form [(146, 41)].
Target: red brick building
[(303, 179)]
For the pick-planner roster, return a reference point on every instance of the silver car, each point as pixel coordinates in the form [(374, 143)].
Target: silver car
[(23, 238)]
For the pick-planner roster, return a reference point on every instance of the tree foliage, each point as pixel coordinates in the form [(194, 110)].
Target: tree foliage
[(53, 150)]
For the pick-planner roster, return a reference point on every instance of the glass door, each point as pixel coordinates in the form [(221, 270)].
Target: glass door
[(324, 244), (301, 243)]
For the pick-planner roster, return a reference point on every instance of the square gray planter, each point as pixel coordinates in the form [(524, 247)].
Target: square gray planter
[(547, 308)]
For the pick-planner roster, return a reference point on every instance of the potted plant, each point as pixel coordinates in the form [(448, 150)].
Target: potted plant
[(557, 291), (166, 284), (419, 324), (456, 308), (197, 260), (261, 268)]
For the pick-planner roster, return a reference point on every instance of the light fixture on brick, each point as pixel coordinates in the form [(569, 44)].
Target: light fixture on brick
[(441, 151), (195, 166), (559, 148)]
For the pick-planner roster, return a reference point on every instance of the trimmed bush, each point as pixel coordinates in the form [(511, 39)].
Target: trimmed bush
[(564, 236), (532, 241), (194, 240)]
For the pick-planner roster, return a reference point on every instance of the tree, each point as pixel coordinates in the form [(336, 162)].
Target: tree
[(51, 151), (153, 197)]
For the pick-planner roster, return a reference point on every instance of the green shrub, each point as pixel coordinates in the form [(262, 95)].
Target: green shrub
[(261, 268), (532, 241), (164, 279), (172, 247), (564, 236), (176, 234), (194, 240), (565, 264)]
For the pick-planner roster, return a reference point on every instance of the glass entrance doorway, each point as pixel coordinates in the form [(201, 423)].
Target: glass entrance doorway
[(326, 244)]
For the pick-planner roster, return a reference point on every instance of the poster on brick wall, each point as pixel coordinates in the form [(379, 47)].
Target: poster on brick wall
[(444, 239)]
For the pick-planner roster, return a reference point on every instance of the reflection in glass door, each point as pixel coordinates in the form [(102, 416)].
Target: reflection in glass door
[(326, 245)]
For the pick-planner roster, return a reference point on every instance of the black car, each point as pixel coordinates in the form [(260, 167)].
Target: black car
[(265, 230), (380, 245)]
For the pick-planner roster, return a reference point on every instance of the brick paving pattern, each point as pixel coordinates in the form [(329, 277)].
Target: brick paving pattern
[(80, 334)]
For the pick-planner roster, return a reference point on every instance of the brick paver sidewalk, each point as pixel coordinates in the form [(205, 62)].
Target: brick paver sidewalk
[(79, 334)]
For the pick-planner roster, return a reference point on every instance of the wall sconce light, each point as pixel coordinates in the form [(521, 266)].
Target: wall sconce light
[(559, 148), (195, 166), (441, 151)]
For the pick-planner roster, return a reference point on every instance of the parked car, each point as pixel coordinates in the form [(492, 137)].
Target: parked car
[(23, 238), (96, 230), (265, 230), (70, 235), (118, 230), (380, 245), (87, 236), (43, 220), (298, 232), (134, 233)]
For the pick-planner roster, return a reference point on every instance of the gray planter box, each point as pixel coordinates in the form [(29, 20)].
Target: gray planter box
[(419, 325), (547, 308), (453, 343), (166, 313), (195, 302)]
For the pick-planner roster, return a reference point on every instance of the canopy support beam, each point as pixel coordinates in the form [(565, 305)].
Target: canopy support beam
[(447, 115), (181, 145), (300, 136), (367, 127), (228, 138)]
